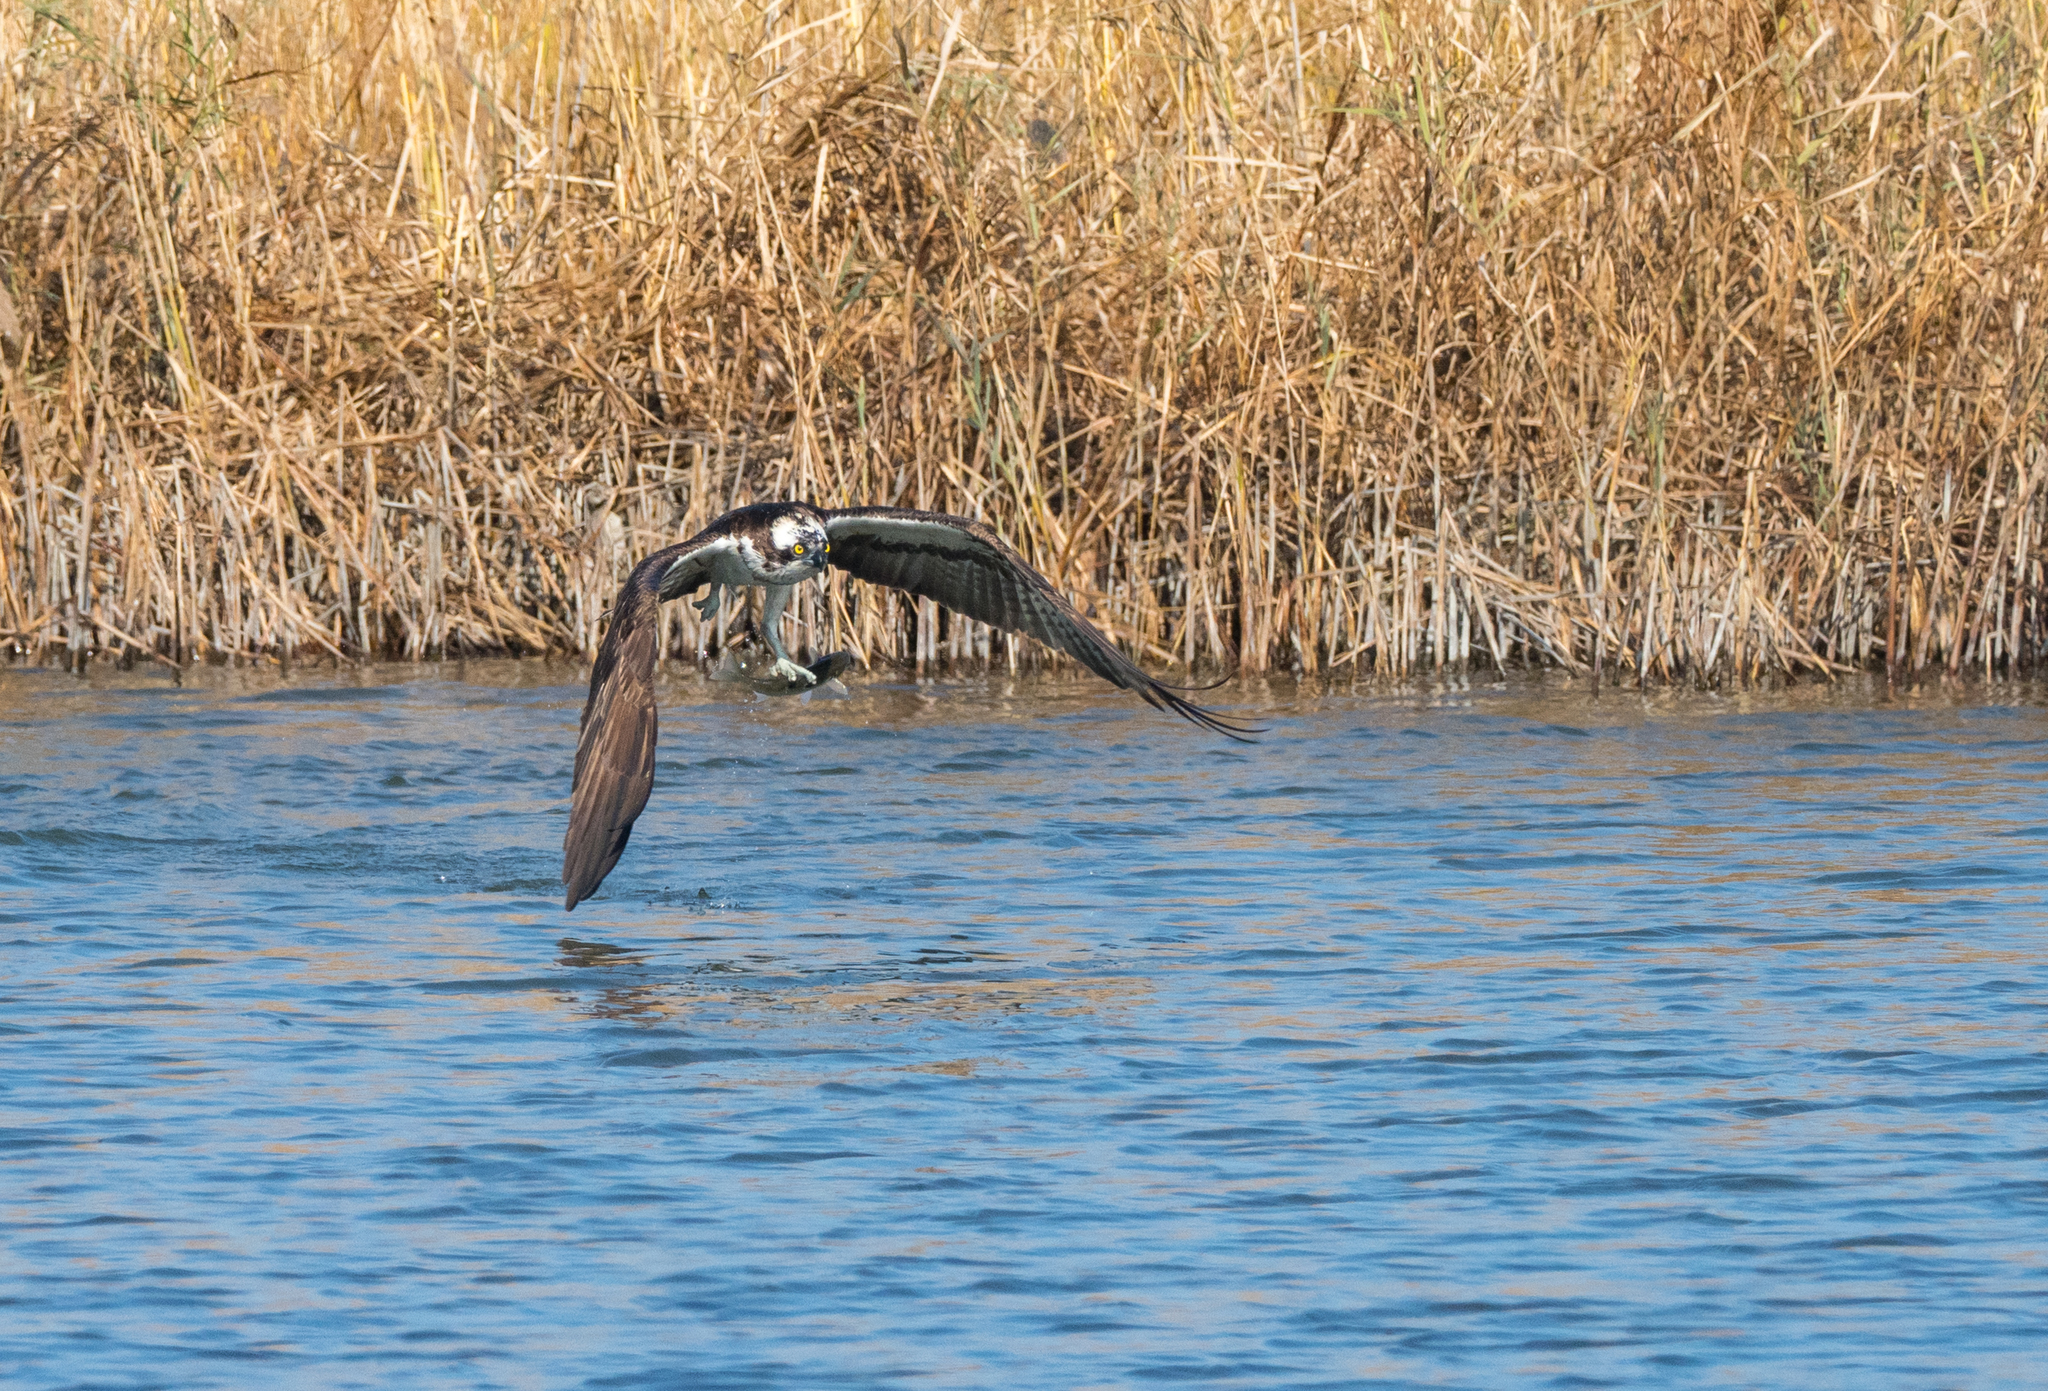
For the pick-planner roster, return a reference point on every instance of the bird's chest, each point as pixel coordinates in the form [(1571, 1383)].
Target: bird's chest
[(731, 568)]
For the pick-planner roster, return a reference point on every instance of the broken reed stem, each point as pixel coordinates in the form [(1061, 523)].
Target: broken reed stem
[(1681, 341)]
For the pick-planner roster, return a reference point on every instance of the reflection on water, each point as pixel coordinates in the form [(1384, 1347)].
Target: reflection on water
[(1013, 1035)]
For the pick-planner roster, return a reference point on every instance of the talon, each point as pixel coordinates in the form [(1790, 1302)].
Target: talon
[(790, 671)]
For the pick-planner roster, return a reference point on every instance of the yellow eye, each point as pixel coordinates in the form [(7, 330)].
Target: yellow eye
[(797, 549)]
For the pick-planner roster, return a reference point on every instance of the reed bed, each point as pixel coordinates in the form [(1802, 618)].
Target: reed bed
[(1687, 340)]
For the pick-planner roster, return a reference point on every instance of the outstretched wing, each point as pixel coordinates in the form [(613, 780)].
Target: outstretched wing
[(615, 753), (962, 564)]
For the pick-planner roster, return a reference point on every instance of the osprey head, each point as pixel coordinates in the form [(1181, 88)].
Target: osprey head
[(792, 547)]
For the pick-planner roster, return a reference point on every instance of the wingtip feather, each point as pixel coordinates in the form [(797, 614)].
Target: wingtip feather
[(1230, 727)]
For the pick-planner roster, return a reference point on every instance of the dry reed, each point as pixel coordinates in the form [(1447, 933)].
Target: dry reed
[(1683, 339)]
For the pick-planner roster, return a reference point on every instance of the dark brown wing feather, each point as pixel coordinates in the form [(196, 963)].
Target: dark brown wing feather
[(960, 563), (615, 753)]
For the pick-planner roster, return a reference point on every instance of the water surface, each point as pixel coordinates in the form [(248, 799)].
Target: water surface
[(991, 1034)]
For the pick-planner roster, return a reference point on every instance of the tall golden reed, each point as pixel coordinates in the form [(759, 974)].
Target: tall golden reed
[(1690, 339)]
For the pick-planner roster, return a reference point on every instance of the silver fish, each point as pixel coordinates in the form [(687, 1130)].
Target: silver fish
[(748, 665)]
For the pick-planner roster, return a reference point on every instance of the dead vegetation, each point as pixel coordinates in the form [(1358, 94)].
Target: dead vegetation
[(1684, 340)]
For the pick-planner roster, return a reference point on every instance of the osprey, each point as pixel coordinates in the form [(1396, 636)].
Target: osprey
[(776, 546)]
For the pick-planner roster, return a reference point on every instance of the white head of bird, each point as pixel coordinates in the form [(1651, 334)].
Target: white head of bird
[(796, 549)]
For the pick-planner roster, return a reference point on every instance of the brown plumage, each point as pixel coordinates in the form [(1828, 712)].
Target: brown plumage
[(962, 564), (952, 560)]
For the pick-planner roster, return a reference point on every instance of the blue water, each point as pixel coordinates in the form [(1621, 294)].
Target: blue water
[(1005, 1035)]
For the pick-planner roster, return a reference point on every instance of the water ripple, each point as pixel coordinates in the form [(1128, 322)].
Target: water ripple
[(1006, 1034)]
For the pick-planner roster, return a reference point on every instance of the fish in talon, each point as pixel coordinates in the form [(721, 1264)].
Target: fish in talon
[(741, 664)]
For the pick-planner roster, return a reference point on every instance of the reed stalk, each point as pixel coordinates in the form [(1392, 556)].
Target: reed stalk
[(1688, 340)]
